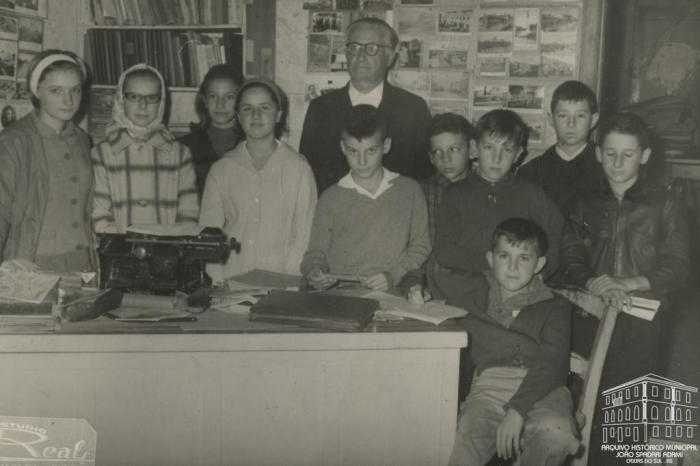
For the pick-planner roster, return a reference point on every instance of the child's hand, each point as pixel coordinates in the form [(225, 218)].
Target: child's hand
[(604, 283), (508, 435), (376, 282), (417, 295), (320, 280)]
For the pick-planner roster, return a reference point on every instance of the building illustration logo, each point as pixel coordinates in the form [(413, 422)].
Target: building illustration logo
[(651, 420)]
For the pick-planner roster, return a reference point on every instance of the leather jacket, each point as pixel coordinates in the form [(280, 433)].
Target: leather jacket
[(644, 234)]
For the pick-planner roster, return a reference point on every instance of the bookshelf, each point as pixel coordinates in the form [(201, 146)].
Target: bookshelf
[(181, 39)]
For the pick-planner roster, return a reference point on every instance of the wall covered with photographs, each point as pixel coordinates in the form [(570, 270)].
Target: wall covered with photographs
[(21, 37), (461, 56)]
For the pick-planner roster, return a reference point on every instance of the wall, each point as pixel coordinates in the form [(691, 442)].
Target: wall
[(292, 31)]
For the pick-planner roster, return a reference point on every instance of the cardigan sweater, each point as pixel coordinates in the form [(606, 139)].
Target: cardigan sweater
[(536, 338), (408, 120), (24, 186), (269, 211), (353, 233), (471, 209), (562, 179)]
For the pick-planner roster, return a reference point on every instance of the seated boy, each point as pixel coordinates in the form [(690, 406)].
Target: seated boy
[(626, 236), (471, 209), (373, 223), (569, 165), (451, 138), (519, 332)]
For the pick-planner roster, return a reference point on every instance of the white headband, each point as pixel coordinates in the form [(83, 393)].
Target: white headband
[(46, 61)]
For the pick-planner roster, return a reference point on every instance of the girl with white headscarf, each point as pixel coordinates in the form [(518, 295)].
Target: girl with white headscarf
[(142, 175)]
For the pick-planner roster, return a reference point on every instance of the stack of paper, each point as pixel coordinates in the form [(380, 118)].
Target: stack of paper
[(642, 307)]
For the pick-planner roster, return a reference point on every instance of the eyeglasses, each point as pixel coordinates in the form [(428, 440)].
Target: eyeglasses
[(370, 48), (452, 150), (138, 98)]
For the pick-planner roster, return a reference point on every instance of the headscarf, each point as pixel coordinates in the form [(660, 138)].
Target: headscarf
[(120, 122)]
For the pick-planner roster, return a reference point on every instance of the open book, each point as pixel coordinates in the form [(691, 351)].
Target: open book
[(435, 312)]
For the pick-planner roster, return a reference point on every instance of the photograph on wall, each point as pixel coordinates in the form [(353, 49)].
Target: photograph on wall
[(560, 19), (339, 61), (525, 66), (493, 66), (318, 4), (449, 106), (449, 85), (410, 51), (347, 4), (416, 21), (8, 27), (327, 22), (316, 85), (7, 89), (8, 58), (441, 56), (526, 27), (535, 124), (412, 80), (495, 43), (31, 34), (490, 95), (455, 21), (23, 59), (558, 42), (377, 4), (496, 21), (319, 58), (525, 97), (22, 91), (562, 66)]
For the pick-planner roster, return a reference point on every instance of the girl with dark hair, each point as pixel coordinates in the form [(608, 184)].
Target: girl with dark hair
[(263, 192), (45, 219), (214, 134)]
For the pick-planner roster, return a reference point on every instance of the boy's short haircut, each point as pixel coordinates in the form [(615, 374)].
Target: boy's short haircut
[(626, 123), (521, 230), (364, 121), (504, 123), (574, 91), (452, 123)]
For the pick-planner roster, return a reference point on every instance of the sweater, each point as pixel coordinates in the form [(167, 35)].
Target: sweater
[(562, 179), (471, 209), (407, 117), (536, 338), (24, 186), (269, 211), (355, 234)]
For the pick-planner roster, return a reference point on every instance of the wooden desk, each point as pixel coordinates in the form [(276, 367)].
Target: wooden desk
[(248, 394)]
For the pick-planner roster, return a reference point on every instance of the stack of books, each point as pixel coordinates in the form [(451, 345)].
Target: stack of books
[(27, 300)]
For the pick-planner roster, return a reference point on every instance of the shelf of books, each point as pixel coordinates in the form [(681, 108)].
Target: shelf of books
[(166, 12)]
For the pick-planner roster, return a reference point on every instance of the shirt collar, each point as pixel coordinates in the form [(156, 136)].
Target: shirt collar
[(568, 157), (373, 97), (348, 182), (120, 140)]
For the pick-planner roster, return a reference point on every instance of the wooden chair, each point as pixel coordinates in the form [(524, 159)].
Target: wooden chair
[(590, 370)]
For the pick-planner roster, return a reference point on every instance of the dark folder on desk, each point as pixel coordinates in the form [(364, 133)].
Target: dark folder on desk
[(344, 313)]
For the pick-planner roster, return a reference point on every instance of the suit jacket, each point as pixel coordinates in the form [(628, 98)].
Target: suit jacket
[(408, 119)]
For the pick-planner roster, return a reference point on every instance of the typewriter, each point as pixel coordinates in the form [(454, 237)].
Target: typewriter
[(160, 264)]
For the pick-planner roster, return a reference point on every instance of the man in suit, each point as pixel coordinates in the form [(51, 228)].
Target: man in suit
[(371, 51)]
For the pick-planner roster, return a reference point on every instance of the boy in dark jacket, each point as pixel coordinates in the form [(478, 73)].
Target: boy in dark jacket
[(570, 164), (519, 332)]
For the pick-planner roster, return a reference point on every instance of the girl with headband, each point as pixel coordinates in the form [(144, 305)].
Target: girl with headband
[(142, 175), (263, 192), (214, 134), (46, 181)]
